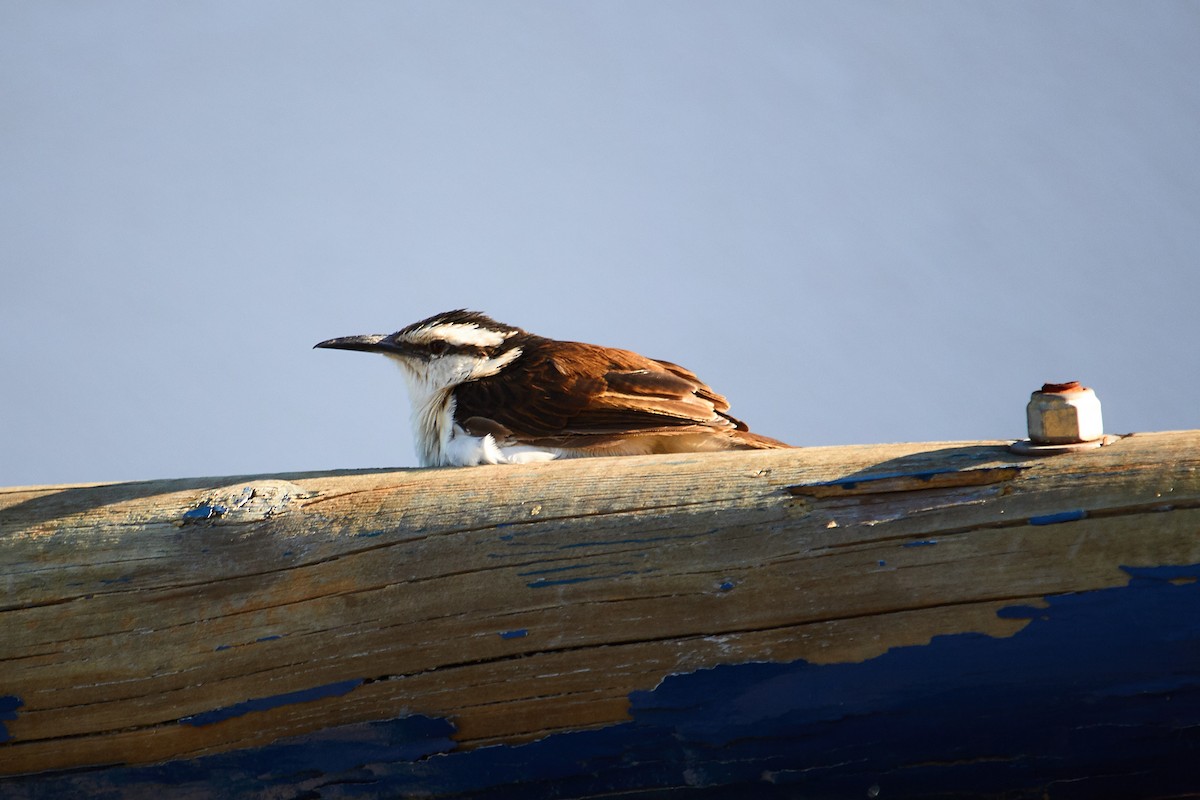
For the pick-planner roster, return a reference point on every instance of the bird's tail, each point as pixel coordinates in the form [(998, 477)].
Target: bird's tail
[(745, 440)]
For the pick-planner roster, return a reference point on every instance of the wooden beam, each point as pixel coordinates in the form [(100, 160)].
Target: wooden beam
[(587, 606)]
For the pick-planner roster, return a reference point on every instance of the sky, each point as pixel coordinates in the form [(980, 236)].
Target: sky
[(860, 221)]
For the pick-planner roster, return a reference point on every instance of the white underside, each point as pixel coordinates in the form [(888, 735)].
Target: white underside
[(443, 443), (464, 450)]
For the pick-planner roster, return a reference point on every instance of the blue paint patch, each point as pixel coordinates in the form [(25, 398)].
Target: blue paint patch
[(726, 586), (122, 579), (1054, 519), (882, 563), (1168, 572), (1097, 696), (271, 638), (542, 583), (923, 475), (369, 534), (919, 543), (204, 512), (8, 712), (275, 701), (520, 633), (221, 647), (852, 483), (1020, 612)]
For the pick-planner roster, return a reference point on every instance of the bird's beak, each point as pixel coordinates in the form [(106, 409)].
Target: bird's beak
[(369, 343)]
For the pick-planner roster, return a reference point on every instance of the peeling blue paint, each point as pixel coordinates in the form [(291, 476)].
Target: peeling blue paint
[(221, 647), (726, 586), (8, 712), (1098, 696), (542, 583), (1054, 519), (275, 701), (1021, 612), (852, 482), (520, 633), (919, 543), (369, 534), (204, 512)]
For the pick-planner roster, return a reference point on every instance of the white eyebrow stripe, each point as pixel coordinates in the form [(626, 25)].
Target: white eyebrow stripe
[(493, 365), (460, 334)]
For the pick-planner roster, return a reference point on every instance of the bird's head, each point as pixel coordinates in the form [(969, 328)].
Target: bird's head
[(444, 350)]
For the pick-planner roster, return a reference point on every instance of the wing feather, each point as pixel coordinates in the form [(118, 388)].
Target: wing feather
[(574, 394)]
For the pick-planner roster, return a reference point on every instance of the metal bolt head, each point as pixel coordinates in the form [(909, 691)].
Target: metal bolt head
[(1064, 413)]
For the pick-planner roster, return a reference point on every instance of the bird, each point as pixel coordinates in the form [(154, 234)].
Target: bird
[(483, 392)]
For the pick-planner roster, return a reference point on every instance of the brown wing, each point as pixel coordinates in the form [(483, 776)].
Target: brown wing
[(575, 394)]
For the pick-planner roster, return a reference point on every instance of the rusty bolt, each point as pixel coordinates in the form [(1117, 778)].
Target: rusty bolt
[(1064, 413)]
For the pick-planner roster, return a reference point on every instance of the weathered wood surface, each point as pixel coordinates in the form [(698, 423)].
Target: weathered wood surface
[(544, 609)]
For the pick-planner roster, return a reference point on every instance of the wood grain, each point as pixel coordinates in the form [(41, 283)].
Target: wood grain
[(145, 622)]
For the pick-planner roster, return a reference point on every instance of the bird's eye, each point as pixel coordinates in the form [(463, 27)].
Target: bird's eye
[(438, 347)]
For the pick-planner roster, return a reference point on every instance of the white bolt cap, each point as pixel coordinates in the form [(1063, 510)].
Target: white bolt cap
[(1064, 413)]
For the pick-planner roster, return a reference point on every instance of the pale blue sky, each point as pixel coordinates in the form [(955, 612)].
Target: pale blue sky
[(861, 221)]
